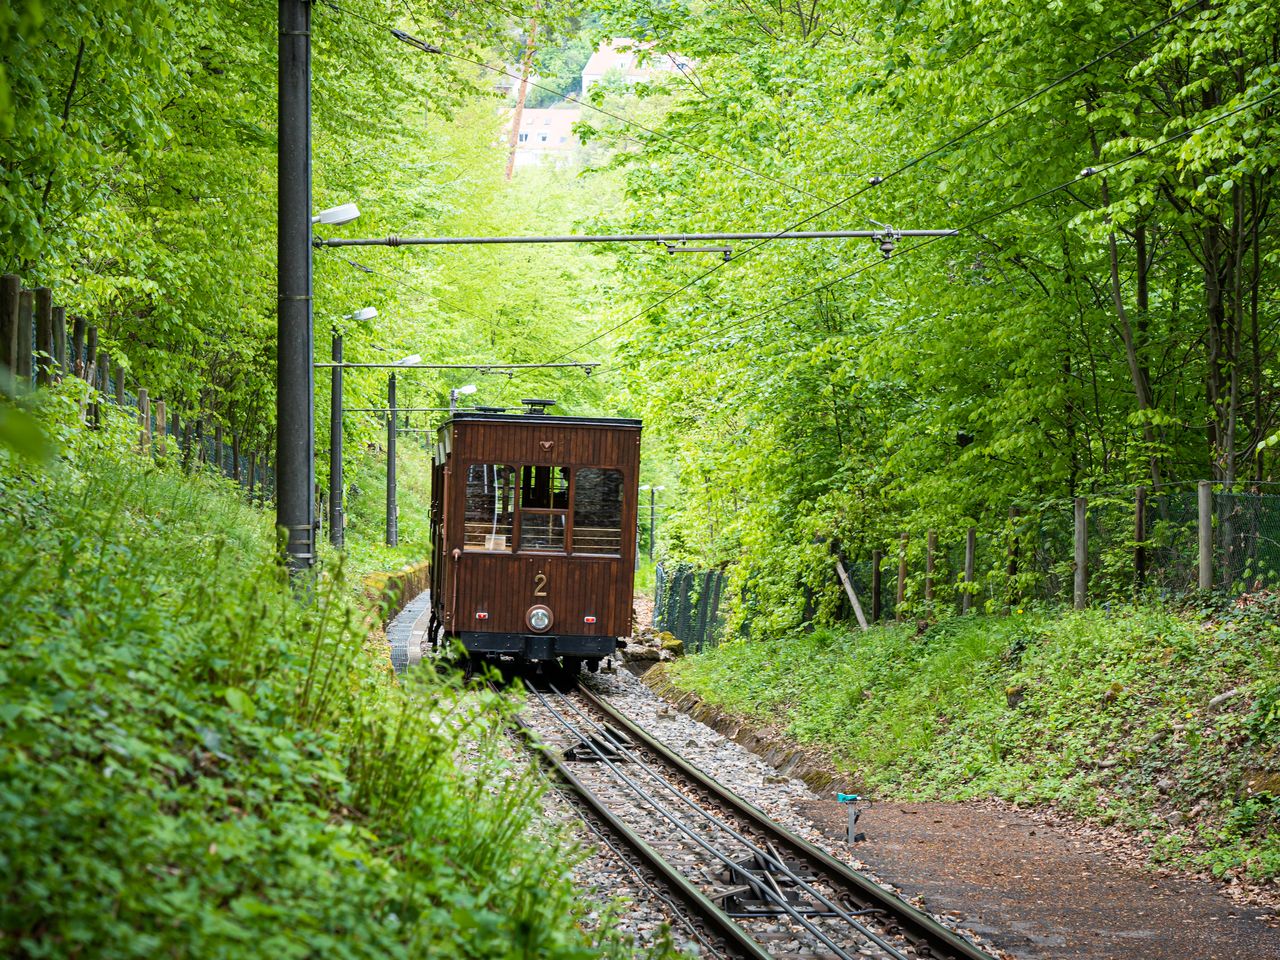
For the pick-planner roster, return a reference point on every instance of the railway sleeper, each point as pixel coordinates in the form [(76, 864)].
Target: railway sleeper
[(595, 748)]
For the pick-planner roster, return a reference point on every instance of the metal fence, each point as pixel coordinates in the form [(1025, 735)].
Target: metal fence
[(1167, 541), (687, 605)]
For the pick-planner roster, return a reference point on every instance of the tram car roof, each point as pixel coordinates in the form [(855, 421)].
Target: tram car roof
[(473, 415)]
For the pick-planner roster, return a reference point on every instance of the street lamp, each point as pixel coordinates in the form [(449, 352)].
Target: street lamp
[(652, 491), (343, 213), (457, 392), (337, 535)]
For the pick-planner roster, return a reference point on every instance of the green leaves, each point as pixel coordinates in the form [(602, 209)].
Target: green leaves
[(240, 702), (166, 788)]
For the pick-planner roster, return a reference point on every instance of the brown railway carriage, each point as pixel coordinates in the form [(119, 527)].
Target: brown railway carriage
[(534, 534)]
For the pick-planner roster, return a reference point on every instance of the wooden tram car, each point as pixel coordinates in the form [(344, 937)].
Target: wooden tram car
[(533, 531)]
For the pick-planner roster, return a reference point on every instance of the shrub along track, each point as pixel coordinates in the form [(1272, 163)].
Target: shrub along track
[(748, 880)]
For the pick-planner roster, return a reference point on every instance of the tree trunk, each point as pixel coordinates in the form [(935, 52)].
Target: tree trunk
[(526, 66)]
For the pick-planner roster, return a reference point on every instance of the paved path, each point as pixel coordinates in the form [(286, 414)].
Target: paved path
[(1038, 892), (407, 632)]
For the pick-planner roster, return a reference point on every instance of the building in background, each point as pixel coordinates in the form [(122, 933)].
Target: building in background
[(621, 57), (547, 133)]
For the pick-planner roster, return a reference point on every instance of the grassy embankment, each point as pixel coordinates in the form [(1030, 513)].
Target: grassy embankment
[(195, 763), (367, 551), (1111, 715)]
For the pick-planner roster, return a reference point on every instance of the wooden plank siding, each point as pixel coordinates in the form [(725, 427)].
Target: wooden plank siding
[(503, 584)]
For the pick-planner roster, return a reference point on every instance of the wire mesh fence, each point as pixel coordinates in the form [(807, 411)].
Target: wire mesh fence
[(1114, 547), (1133, 543), (687, 605)]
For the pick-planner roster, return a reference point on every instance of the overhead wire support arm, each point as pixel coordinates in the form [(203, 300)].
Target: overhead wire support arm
[(663, 238), (479, 367)]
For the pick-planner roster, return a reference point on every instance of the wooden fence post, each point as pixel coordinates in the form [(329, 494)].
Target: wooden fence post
[(44, 336), (235, 456), (77, 345), (930, 547), (10, 295), (162, 429), (119, 385), (22, 342), (1140, 538), (1080, 593), (60, 340), (218, 452), (1204, 504), (970, 550), (104, 373), (91, 356), (876, 558), (144, 420), (902, 577), (253, 469)]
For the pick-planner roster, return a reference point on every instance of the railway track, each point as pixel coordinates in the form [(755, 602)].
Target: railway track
[(752, 888)]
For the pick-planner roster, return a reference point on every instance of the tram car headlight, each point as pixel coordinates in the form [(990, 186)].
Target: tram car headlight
[(539, 618)]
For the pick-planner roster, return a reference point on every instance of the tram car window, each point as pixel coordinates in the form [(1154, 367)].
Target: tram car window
[(490, 498), (534, 535)]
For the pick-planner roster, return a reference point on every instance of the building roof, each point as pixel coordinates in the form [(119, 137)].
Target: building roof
[(622, 53)]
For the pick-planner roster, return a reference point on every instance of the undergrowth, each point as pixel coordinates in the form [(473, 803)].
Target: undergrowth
[(196, 760), (1109, 714), (366, 549)]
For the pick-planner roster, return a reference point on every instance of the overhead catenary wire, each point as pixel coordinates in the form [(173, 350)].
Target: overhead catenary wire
[(666, 238), (903, 168), (1086, 174), (831, 205)]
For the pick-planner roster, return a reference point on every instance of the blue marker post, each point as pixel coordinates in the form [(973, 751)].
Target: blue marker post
[(851, 800)]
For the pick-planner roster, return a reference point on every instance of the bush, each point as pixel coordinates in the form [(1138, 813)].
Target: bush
[(1110, 713), (196, 761)]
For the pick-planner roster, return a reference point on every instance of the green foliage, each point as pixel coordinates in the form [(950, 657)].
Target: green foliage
[(366, 549), (1105, 713), (813, 389), (195, 760), (138, 170)]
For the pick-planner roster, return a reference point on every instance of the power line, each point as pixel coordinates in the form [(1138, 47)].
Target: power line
[(1086, 174), (915, 161)]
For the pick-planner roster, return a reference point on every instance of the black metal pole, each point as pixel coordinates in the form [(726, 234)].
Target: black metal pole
[(335, 446), (393, 528), (652, 493), (295, 421)]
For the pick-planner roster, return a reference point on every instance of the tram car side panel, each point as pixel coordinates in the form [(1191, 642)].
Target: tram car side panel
[(537, 533)]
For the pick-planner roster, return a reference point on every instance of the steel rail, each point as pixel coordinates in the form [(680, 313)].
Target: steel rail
[(763, 855), (715, 918), (726, 860), (633, 238), (918, 926), (644, 881)]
